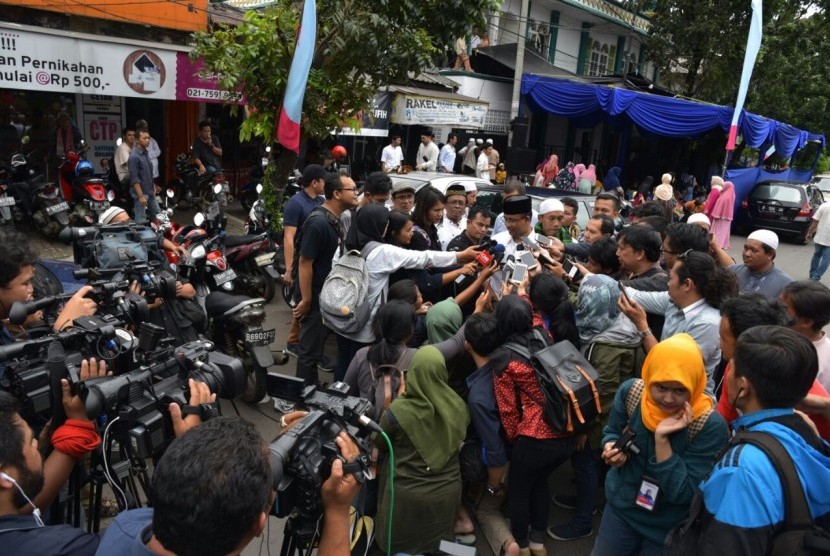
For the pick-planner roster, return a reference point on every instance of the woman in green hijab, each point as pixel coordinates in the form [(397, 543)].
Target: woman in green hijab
[(426, 425)]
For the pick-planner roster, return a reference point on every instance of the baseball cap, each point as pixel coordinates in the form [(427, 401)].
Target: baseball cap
[(313, 172)]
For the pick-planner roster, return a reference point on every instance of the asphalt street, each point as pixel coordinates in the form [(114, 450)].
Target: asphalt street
[(792, 258)]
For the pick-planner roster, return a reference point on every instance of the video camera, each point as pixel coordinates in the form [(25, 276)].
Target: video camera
[(113, 245), (301, 457), (140, 398)]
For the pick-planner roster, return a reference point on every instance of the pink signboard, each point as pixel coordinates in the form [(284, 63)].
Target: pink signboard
[(191, 86)]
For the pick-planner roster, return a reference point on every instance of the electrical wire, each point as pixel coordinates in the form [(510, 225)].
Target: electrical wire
[(391, 492), (111, 481)]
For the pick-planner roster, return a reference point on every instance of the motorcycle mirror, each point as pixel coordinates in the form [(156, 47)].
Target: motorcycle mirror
[(258, 188), (168, 211), (217, 188), (118, 142), (268, 149), (25, 140), (110, 195), (198, 252), (198, 218), (83, 142), (170, 193)]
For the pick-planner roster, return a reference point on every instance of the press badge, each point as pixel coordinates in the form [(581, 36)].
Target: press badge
[(647, 494)]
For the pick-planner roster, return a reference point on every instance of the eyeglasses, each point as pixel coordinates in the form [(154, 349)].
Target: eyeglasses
[(681, 256)]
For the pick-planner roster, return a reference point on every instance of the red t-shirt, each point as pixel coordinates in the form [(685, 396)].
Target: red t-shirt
[(730, 413)]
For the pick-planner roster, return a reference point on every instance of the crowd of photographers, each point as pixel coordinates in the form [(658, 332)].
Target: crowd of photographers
[(685, 345)]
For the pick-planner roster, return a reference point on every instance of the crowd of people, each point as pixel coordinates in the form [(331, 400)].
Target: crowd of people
[(686, 343)]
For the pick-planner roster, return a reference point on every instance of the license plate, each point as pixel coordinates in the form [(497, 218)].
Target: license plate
[(226, 276), (95, 205), (6, 201), (261, 337), (265, 259), (60, 207)]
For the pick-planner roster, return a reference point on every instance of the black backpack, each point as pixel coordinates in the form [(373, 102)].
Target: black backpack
[(797, 535), (567, 381)]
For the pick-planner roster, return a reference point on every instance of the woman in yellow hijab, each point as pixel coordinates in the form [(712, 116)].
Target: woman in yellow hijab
[(661, 439)]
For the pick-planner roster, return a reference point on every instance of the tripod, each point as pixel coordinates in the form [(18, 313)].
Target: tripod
[(299, 534)]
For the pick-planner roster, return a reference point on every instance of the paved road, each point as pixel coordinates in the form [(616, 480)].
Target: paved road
[(793, 259)]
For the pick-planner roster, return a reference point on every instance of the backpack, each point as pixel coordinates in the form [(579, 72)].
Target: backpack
[(797, 535), (567, 381), (344, 301), (635, 394), (298, 238)]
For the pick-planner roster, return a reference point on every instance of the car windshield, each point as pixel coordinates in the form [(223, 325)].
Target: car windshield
[(778, 192), (822, 183)]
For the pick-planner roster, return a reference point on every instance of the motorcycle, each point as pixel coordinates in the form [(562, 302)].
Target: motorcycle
[(198, 189), (7, 201), (87, 194), (35, 199), (257, 222), (236, 328)]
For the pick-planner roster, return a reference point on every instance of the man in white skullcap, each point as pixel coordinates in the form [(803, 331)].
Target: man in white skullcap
[(493, 158), (551, 215), (759, 273)]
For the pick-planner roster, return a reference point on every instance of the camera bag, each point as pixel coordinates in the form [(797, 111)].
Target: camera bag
[(118, 245), (567, 381)]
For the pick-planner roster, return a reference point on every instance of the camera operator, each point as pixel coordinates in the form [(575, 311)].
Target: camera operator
[(177, 316), (17, 260), (227, 458), (28, 483)]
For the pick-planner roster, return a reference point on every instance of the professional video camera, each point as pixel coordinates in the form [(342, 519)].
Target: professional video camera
[(35, 367), (113, 245), (139, 399), (301, 457)]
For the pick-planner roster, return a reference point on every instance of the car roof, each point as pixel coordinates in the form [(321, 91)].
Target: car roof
[(784, 182), (543, 192), (437, 180)]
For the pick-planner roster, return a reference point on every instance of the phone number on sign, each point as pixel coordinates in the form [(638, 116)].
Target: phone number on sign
[(213, 94)]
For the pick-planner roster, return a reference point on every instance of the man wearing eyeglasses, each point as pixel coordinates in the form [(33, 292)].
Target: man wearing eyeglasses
[(454, 222)]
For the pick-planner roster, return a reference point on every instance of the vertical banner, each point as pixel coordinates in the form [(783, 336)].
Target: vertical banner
[(288, 125), (753, 45), (102, 125)]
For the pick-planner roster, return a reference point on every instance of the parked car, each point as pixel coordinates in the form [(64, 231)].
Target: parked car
[(781, 206), (438, 180), (822, 181)]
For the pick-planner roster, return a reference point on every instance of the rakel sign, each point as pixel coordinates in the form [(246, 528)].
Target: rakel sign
[(44, 62), (420, 110)]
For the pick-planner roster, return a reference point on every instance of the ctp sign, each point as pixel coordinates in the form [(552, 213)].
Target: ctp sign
[(102, 125)]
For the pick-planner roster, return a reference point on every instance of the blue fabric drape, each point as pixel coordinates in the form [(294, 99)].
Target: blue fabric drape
[(589, 104)]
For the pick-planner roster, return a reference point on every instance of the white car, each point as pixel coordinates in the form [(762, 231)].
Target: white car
[(438, 180)]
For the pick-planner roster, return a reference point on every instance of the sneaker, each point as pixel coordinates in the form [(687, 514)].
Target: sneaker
[(292, 349), (569, 532), (283, 406), (325, 364)]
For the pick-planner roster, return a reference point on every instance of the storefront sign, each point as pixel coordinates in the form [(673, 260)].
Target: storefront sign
[(420, 110), (44, 62), (190, 85), (375, 121), (102, 128)]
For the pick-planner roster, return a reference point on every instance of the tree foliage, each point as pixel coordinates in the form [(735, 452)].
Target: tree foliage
[(706, 40)]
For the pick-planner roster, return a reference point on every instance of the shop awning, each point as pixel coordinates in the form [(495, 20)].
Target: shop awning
[(428, 107), (587, 105), (534, 63)]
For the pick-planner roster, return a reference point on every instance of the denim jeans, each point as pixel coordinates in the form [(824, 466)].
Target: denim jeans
[(140, 211), (820, 262), (617, 538), (586, 465)]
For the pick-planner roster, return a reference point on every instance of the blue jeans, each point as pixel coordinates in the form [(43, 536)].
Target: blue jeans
[(140, 211), (586, 465), (820, 262), (617, 538)]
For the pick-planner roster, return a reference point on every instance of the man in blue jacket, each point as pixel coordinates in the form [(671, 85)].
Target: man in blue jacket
[(773, 368)]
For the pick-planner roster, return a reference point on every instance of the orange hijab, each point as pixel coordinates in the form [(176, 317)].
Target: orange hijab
[(675, 359)]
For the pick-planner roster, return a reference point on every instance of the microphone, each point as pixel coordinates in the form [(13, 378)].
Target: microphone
[(22, 309)]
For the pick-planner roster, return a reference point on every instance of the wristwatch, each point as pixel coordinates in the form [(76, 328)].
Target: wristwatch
[(493, 490), (644, 333)]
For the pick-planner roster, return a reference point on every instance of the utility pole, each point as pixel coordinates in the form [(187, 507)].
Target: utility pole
[(520, 62)]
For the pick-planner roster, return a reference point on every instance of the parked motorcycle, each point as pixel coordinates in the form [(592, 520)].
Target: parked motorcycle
[(37, 202), (7, 200), (87, 195), (196, 189), (259, 222), (236, 327)]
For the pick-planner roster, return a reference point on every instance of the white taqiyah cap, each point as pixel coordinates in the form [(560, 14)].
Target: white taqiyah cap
[(489, 141), (768, 238), (551, 205), (699, 218), (109, 215), (479, 141)]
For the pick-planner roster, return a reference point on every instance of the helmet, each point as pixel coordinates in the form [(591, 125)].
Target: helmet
[(84, 169), (18, 160), (339, 152)]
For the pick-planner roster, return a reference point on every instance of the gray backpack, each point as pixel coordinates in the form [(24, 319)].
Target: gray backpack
[(344, 300)]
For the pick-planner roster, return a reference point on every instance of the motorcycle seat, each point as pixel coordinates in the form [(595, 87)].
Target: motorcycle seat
[(224, 304), (233, 241)]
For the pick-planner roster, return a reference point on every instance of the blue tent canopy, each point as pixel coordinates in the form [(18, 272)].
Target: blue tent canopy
[(589, 104)]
